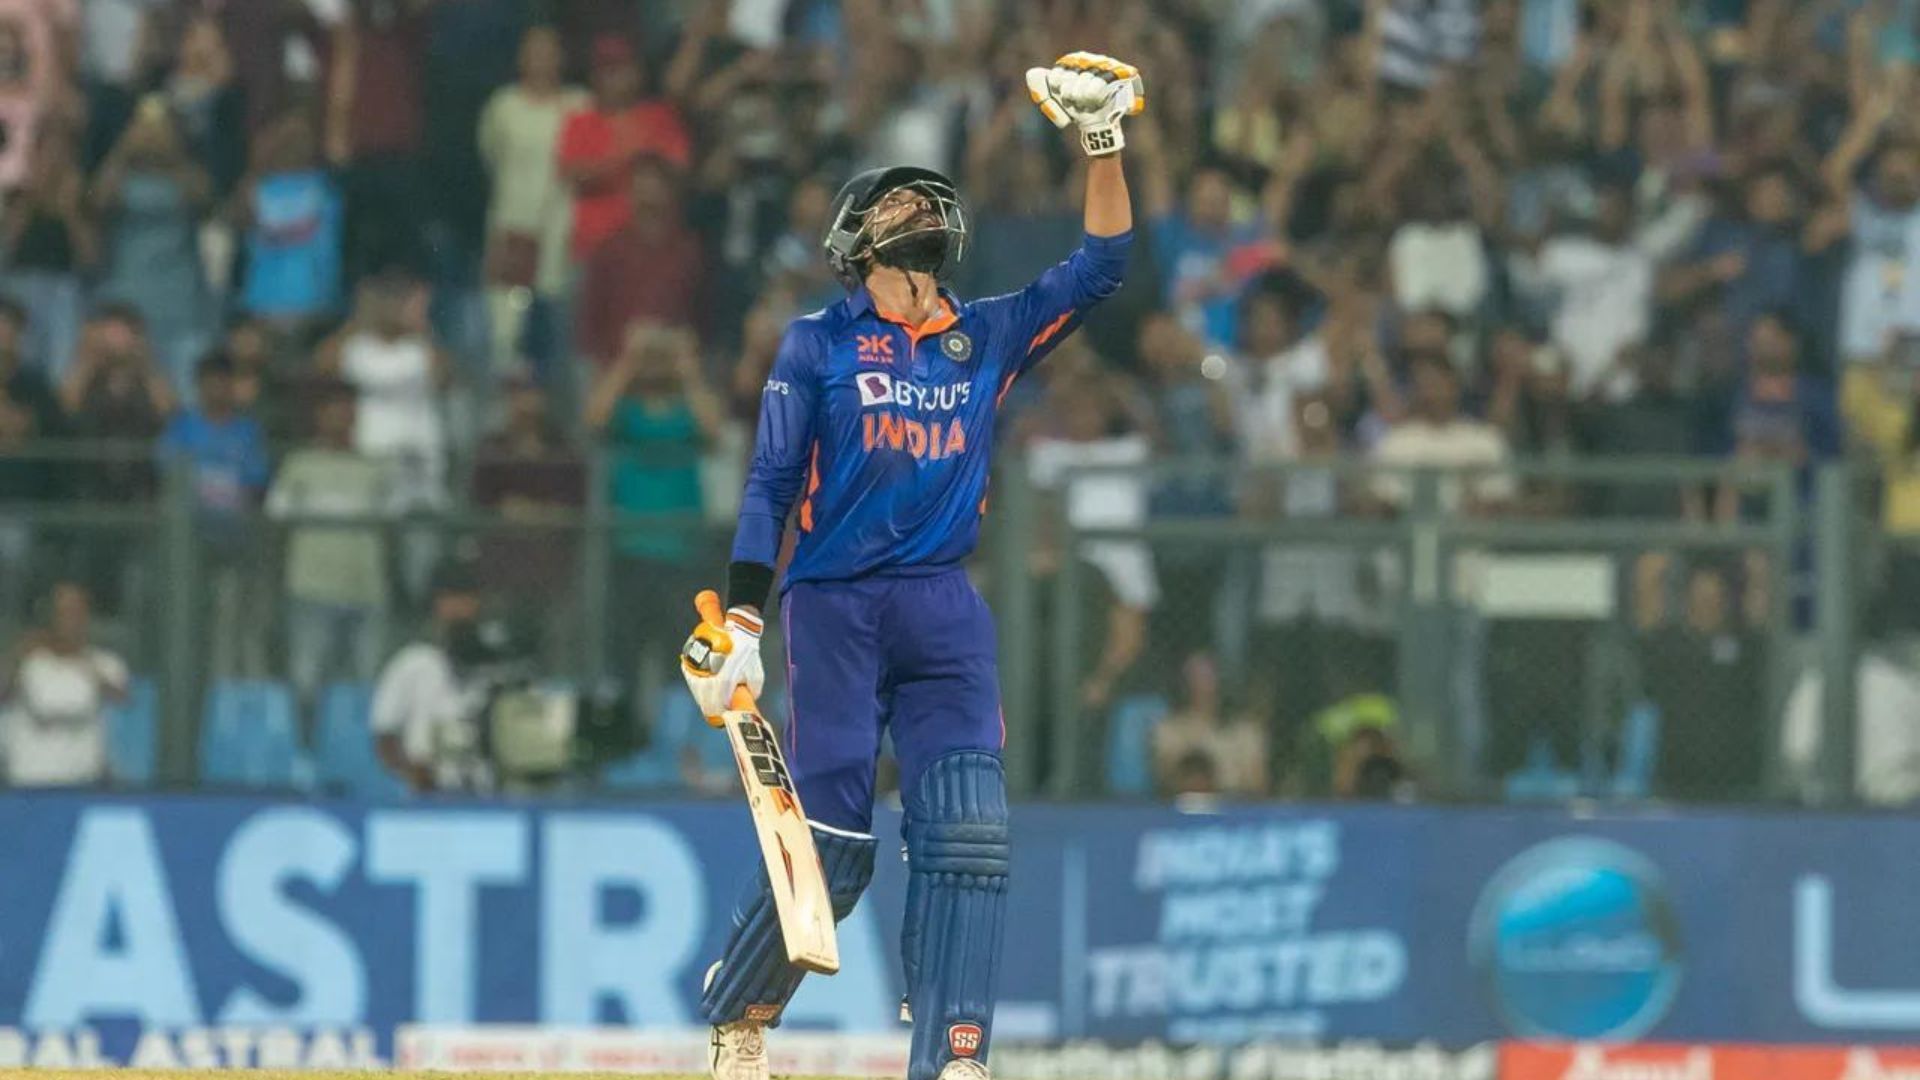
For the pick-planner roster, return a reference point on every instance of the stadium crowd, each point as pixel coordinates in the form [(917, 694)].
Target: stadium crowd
[(383, 256)]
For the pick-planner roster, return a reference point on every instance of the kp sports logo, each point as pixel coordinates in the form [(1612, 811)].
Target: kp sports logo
[(873, 348), (1575, 938)]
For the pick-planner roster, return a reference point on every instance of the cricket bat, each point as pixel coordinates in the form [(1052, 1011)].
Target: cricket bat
[(786, 841)]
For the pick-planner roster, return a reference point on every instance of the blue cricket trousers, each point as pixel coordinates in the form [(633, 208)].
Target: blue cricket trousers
[(911, 653)]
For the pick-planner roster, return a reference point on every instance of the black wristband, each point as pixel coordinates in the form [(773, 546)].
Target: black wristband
[(749, 583)]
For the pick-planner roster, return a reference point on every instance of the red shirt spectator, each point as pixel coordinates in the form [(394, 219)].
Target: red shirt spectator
[(652, 269), (599, 146)]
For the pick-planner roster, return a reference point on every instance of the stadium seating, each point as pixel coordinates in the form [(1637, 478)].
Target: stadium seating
[(132, 735), (343, 745), (250, 737), (1130, 744)]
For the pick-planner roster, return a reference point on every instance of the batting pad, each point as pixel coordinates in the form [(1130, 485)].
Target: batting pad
[(754, 980), (957, 855)]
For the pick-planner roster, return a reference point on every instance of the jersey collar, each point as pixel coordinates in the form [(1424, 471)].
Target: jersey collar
[(860, 303)]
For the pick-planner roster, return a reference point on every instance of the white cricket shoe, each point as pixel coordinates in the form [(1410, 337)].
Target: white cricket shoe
[(736, 1051), (739, 1052), (962, 1069)]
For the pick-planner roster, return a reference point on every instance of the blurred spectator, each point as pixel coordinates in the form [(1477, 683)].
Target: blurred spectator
[(33, 82), (1421, 39), (28, 412), (1204, 253), (1706, 675), (260, 388), (1886, 733), (150, 194), (225, 452), (115, 393), (1657, 420), (527, 473), (654, 411), (207, 104), (50, 243), (336, 577), (794, 264), (1779, 414), (1747, 261), (1235, 749), (1601, 284), (760, 343), (1090, 434), (375, 131), (651, 269), (55, 687), (277, 47), (1437, 435), (1350, 749), (601, 145), (1880, 290), (290, 208), (532, 209), (387, 354), (425, 721)]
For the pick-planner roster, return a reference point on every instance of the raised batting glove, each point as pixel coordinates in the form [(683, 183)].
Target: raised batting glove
[(720, 655), (1091, 91)]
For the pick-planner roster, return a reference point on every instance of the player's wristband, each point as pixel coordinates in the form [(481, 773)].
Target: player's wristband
[(749, 583)]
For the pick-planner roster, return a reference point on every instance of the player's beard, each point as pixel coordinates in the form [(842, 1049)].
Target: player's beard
[(923, 250)]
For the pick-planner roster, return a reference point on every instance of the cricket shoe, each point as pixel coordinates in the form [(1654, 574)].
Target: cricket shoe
[(737, 1051), (963, 1070)]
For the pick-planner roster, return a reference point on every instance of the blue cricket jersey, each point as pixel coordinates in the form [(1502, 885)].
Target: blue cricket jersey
[(882, 433)]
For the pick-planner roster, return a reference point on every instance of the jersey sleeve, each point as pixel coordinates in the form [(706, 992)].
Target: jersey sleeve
[(783, 446), (1039, 316)]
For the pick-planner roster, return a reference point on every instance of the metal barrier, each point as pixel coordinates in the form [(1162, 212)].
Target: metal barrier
[(1517, 654)]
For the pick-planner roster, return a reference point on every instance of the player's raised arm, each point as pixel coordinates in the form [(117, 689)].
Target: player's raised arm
[(1094, 93)]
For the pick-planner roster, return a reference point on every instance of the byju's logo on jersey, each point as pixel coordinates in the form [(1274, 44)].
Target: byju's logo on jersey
[(1576, 939), (876, 388)]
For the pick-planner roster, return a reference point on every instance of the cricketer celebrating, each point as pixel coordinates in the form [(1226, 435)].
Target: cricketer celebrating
[(878, 421)]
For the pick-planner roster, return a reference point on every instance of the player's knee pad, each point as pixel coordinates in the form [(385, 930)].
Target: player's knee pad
[(957, 861), (754, 980)]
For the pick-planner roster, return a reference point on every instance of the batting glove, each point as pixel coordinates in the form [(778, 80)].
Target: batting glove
[(721, 655), (1092, 91)]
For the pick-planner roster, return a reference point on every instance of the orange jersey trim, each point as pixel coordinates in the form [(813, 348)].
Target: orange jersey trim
[(813, 485), (1048, 333), (941, 320)]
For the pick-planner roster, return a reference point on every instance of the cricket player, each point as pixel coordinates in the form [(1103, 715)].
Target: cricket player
[(877, 423)]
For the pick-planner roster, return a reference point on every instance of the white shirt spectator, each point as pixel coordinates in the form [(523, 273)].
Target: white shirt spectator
[(55, 721), (1104, 501), (399, 416), (419, 699), (1603, 304), (1438, 265), (1887, 731), (1266, 414), (1880, 295)]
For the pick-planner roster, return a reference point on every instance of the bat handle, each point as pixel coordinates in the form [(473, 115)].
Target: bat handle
[(743, 699), (707, 603)]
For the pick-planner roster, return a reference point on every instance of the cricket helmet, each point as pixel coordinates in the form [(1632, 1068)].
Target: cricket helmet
[(936, 248)]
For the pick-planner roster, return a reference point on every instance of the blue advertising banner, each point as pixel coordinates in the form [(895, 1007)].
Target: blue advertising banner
[(246, 919)]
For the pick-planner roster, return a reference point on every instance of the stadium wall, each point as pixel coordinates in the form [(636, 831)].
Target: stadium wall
[(314, 931)]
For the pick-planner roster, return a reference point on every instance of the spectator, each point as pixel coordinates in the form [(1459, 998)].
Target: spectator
[(225, 453), (1089, 417), (601, 146), (149, 194), (1438, 435), (400, 376), (1204, 254), (794, 265), (336, 578), (54, 692), (207, 104), (1350, 750), (375, 130), (656, 414), (50, 243), (28, 412), (650, 270), (294, 225), (1601, 282), (32, 83), (425, 719), (1743, 265), (260, 389), (528, 474), (532, 209), (1235, 749), (1886, 756), (115, 393), (1706, 676), (1779, 414)]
